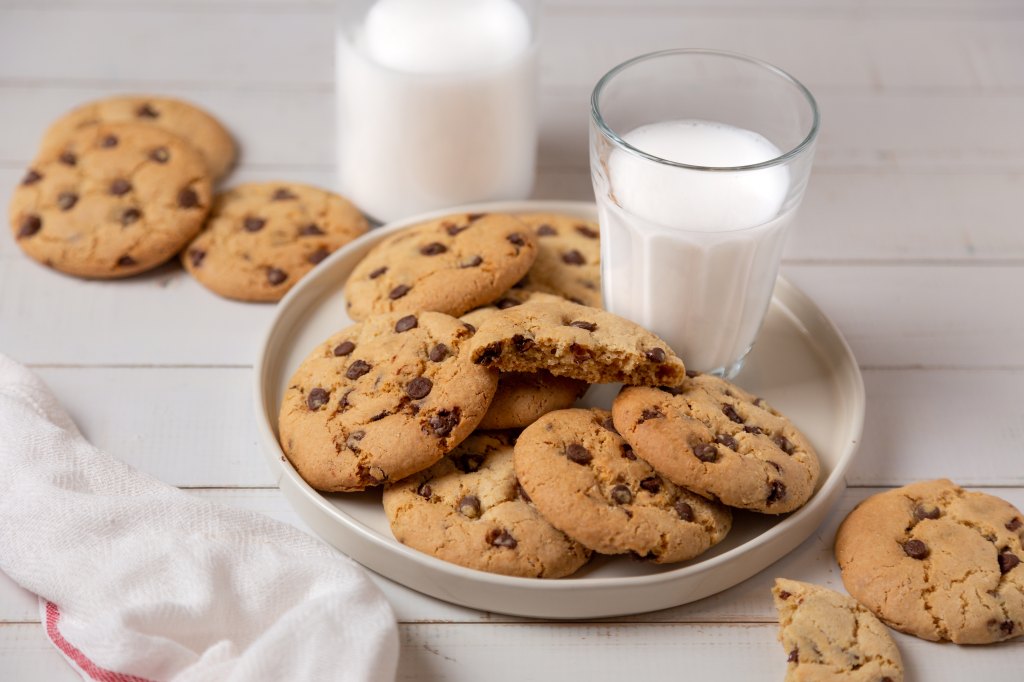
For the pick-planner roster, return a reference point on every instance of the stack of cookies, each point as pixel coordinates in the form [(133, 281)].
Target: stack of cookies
[(124, 184), (456, 392)]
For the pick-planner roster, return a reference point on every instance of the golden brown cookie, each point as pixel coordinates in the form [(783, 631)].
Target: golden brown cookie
[(937, 561), (468, 509), (263, 237), (382, 399), (113, 200), (568, 258)]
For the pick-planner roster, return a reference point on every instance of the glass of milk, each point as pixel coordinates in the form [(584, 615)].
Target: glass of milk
[(699, 161), (436, 103)]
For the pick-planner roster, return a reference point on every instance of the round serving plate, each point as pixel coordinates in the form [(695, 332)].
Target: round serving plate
[(800, 364)]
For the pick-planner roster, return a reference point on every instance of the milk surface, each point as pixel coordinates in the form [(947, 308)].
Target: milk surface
[(692, 254), (436, 105)]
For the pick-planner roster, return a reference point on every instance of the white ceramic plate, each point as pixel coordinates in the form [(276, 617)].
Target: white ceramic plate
[(800, 364)]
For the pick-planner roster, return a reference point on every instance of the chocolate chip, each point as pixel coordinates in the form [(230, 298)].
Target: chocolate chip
[(344, 404), (125, 261), (31, 177), (516, 239), (587, 231), (546, 230), (444, 421), (187, 198), (1006, 626), (424, 490), (470, 328), (489, 354), (146, 111), (501, 538), (473, 217), (783, 595), (318, 256), (311, 230), (729, 412), (472, 262), (160, 155), (419, 387), (1014, 524), (317, 398), (621, 494), (650, 413), (627, 451), (378, 272), (753, 429), (406, 323), (915, 549), (655, 355), (344, 348), (727, 440), (468, 462), (68, 158), (358, 369), (438, 353), (672, 390), (1007, 561), (522, 343), (282, 194), (783, 444), (573, 257), (454, 229), (120, 187), (433, 249), (609, 424), (130, 215), (921, 512), (794, 656), (196, 256), (578, 454), (651, 484), (507, 302), (759, 402), (776, 492), (399, 291), (705, 452), (253, 224), (684, 510), (581, 324), (469, 506), (109, 141), (276, 276), (352, 442), (67, 200)]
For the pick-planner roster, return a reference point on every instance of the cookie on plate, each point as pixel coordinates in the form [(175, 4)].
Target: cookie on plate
[(195, 126), (449, 265), (829, 636), (585, 480), (263, 237), (467, 509), (113, 200), (937, 561), (568, 257), (714, 438), (382, 399)]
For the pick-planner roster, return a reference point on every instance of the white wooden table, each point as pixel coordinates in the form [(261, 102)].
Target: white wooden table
[(911, 237)]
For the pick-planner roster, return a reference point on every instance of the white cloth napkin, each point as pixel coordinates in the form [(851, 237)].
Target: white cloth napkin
[(141, 581)]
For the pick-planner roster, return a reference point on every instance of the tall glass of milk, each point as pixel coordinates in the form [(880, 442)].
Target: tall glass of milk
[(699, 161), (436, 102)]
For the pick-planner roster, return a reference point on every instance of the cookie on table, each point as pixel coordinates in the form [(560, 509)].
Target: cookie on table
[(382, 399), (829, 636), (197, 127), (261, 238), (716, 439), (468, 509), (937, 561), (586, 480), (572, 340), (449, 265), (113, 200), (568, 257)]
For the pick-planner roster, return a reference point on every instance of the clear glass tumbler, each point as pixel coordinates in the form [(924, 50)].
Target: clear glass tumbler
[(699, 160)]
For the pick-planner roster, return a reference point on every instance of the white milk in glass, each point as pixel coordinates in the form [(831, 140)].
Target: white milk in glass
[(693, 254), (436, 105)]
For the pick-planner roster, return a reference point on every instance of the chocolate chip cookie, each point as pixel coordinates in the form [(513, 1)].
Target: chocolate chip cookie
[(468, 509), (187, 121), (449, 265), (381, 400), (586, 480), (571, 340), (829, 636), (113, 200), (568, 257), (937, 561), (263, 237), (716, 439)]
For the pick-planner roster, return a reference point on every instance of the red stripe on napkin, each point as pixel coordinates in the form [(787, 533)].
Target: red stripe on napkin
[(80, 659)]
